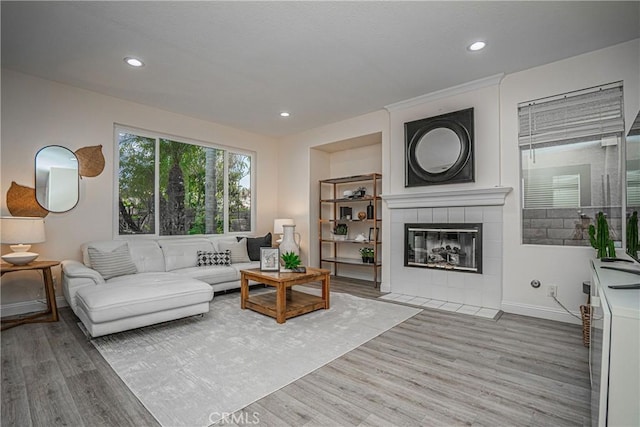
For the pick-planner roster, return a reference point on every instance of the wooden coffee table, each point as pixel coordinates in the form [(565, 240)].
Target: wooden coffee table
[(284, 303)]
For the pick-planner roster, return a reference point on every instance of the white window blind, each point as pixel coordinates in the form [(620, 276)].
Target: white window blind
[(633, 188), (561, 191), (580, 115)]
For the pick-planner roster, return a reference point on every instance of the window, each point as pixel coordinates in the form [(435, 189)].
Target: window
[(570, 156), (168, 187)]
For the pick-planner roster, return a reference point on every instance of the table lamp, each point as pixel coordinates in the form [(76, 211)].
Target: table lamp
[(20, 232), (278, 229)]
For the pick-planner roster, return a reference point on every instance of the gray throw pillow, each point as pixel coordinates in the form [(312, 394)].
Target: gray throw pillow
[(255, 243), (238, 250), (112, 264)]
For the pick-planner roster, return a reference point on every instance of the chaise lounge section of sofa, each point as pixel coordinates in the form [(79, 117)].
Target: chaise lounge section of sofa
[(143, 282)]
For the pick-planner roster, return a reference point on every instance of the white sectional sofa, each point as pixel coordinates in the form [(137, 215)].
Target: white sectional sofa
[(165, 284)]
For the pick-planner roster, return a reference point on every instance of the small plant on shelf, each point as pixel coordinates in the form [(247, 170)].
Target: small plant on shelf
[(291, 260), (599, 237), (367, 255), (340, 231)]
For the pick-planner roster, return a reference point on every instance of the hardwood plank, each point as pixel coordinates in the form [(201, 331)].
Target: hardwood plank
[(14, 396), (50, 400)]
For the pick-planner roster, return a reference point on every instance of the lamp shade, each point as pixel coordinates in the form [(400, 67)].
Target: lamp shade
[(278, 223), (17, 229)]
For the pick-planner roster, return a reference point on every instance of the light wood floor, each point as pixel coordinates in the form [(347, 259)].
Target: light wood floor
[(437, 368)]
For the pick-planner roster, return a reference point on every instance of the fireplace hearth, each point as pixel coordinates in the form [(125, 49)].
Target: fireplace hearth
[(451, 247)]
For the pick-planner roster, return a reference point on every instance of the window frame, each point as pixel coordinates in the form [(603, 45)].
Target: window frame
[(612, 126), (157, 136)]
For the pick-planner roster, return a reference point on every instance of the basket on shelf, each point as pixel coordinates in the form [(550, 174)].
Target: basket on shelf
[(585, 312)]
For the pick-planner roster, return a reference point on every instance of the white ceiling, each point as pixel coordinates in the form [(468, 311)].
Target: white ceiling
[(241, 63)]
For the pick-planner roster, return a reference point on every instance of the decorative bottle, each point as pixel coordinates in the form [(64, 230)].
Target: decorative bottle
[(370, 211)]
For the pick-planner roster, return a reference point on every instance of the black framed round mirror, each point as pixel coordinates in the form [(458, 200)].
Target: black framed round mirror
[(57, 185), (440, 149)]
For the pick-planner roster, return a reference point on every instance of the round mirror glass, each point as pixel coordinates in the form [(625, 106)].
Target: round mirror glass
[(56, 178), (438, 150)]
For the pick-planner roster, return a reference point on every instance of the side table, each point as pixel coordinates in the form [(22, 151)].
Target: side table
[(51, 314)]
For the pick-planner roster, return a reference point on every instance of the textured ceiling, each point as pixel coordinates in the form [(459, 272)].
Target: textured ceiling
[(241, 63)]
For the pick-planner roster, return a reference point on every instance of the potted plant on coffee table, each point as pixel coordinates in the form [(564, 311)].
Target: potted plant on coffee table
[(291, 262)]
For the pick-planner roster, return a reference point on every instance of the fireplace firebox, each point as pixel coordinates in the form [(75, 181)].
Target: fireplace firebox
[(451, 247)]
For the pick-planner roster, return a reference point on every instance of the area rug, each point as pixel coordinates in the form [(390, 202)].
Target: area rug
[(195, 371)]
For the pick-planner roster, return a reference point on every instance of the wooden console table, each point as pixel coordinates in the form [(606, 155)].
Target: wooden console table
[(284, 302), (51, 314)]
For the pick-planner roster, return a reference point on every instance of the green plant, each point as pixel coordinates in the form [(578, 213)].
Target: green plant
[(341, 229), (366, 252), (599, 237), (291, 260), (633, 241)]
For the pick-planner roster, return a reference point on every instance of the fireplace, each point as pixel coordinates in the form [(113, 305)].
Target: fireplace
[(451, 247)]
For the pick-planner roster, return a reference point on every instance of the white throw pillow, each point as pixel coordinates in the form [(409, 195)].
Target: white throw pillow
[(113, 263), (238, 250)]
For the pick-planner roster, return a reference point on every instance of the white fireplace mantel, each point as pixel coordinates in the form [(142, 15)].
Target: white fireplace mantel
[(494, 196)]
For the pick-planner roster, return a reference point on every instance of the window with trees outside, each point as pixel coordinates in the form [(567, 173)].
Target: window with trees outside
[(169, 187), (571, 149)]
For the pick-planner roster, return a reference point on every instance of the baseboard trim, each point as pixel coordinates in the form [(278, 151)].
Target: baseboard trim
[(24, 307), (541, 312)]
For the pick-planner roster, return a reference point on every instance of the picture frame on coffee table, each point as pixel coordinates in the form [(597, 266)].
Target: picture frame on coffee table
[(269, 259)]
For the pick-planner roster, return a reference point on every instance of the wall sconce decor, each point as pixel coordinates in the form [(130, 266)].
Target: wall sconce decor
[(439, 150), (90, 160), (21, 201)]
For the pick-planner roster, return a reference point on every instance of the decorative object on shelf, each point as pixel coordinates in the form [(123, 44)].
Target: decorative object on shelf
[(269, 259), (440, 149), (57, 186), (373, 234), (277, 227), (633, 240), (360, 238), (20, 232), (21, 202), (345, 212), (90, 161), (289, 243), (360, 192), (340, 232), (367, 255), (362, 215), (347, 194), (599, 237), (290, 261), (370, 211)]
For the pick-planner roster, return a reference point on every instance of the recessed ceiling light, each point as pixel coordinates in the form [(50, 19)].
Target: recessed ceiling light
[(284, 114), (134, 62), (477, 45)]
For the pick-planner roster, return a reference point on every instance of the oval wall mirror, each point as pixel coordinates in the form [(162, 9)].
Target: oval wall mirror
[(57, 186), (440, 149)]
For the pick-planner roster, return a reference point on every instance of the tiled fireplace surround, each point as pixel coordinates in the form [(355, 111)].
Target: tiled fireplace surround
[(478, 206)]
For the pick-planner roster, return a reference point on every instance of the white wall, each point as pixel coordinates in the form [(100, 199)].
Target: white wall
[(566, 267), (485, 102), (37, 112), (298, 188)]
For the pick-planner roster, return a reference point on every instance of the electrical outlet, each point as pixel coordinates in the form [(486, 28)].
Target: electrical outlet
[(552, 291)]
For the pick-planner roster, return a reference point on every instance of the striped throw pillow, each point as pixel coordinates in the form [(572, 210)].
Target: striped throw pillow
[(112, 264)]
